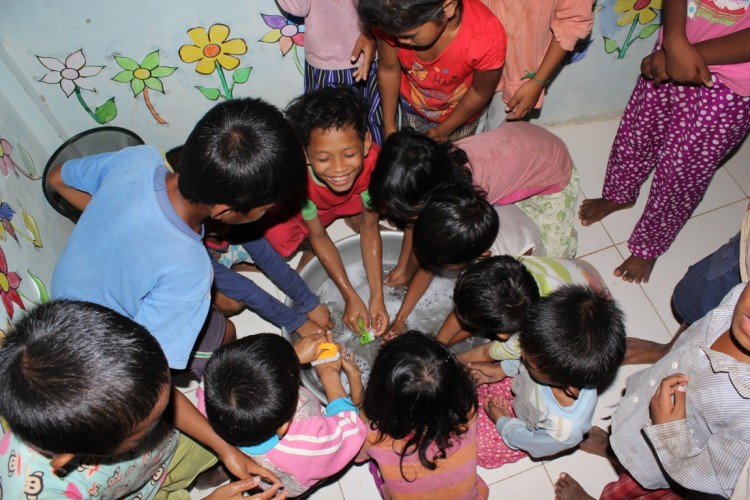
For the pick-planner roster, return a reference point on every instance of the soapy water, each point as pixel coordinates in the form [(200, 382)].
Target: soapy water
[(428, 315)]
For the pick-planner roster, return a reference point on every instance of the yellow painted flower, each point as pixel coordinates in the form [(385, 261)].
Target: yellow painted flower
[(645, 10), (212, 48)]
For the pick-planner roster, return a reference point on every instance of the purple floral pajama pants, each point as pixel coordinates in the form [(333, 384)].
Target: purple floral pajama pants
[(683, 132)]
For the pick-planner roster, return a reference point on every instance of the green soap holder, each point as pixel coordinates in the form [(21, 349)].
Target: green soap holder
[(365, 337)]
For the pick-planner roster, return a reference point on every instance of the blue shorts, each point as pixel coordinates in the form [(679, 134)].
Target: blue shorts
[(707, 282), (210, 339)]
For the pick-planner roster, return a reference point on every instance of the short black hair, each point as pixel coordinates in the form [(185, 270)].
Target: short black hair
[(495, 295), (328, 108), (419, 392), (455, 227), (575, 336), (397, 16), (410, 167), (78, 377), (243, 153), (252, 388)]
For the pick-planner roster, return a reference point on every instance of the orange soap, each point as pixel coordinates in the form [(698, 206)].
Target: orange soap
[(327, 350)]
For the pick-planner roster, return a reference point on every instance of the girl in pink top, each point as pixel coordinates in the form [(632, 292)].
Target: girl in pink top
[(422, 410), (689, 110), (440, 58), (540, 35)]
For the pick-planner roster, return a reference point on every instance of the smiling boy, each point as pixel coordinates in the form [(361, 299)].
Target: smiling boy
[(332, 125)]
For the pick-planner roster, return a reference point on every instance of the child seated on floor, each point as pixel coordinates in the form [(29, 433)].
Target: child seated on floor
[(233, 292), (423, 415), (254, 400), (441, 59), (83, 391), (570, 342), (332, 125), (493, 296)]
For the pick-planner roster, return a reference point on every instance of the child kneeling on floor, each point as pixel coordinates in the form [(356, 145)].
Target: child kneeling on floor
[(83, 391), (570, 342), (423, 414), (254, 400)]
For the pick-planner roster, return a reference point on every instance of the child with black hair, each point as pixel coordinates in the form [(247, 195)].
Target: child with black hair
[(493, 295), (422, 410), (254, 400), (441, 59), (241, 158), (83, 391), (572, 341), (332, 125)]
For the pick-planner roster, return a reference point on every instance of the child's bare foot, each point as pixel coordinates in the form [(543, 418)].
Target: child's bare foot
[(640, 351), (635, 270), (567, 488), (596, 209), (596, 442)]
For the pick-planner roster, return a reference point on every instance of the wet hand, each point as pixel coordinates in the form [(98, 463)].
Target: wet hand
[(348, 364), (379, 316), (309, 328), (353, 310), (668, 403), (307, 347), (321, 315), (397, 277)]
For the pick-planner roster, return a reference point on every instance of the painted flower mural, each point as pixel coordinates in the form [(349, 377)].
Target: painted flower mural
[(144, 76), (74, 75), (640, 16), (9, 166), (9, 282), (214, 51), (288, 33)]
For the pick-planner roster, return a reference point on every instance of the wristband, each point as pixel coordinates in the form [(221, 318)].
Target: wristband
[(532, 76)]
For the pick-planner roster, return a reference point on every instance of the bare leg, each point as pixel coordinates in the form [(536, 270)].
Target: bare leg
[(307, 256), (567, 488), (635, 269), (640, 351), (596, 443), (594, 210)]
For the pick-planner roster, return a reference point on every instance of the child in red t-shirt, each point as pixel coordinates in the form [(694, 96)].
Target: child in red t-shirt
[(332, 125), (441, 58)]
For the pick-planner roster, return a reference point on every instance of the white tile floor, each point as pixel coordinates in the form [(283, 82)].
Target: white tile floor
[(647, 306)]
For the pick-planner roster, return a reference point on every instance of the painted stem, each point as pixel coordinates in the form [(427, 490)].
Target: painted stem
[(85, 106), (223, 79), (156, 115), (626, 45), (26, 297), (296, 61)]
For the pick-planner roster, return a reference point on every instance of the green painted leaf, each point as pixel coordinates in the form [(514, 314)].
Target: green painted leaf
[(648, 31), (162, 71), (241, 75), (127, 63), (151, 61), (40, 288), (211, 94), (154, 84), (107, 111), (123, 76), (27, 160), (137, 86), (610, 45)]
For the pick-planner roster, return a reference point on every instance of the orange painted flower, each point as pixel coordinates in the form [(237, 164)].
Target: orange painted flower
[(212, 49)]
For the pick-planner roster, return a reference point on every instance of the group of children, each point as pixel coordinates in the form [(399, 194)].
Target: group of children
[(87, 394)]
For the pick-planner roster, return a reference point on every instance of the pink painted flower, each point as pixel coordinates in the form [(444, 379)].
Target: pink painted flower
[(9, 282), (285, 31), (7, 165)]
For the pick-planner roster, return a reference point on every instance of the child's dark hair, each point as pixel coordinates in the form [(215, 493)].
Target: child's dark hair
[(398, 16), (329, 108), (417, 391), (173, 157), (575, 336), (243, 153), (456, 227), (410, 167), (252, 387), (78, 377), (494, 295)]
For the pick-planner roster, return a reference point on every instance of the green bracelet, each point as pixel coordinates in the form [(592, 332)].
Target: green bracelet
[(532, 76)]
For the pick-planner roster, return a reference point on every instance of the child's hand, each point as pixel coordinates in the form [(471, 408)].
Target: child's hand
[(496, 407), (396, 329), (353, 310), (307, 347), (653, 67), (242, 466), (437, 133), (685, 65), (321, 315), (329, 366), (485, 373), (349, 365), (668, 403), (364, 45), (236, 489), (379, 316), (309, 328), (398, 277), (524, 100)]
